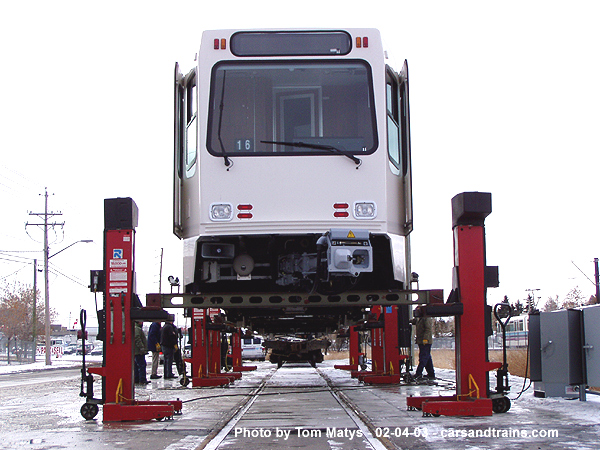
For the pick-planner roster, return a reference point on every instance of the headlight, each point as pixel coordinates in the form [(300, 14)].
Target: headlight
[(365, 210), (221, 211)]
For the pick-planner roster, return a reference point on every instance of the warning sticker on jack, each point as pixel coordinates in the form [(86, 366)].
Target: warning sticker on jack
[(117, 275), (117, 291), (118, 263)]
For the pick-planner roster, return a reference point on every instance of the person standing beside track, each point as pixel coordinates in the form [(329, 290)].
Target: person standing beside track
[(154, 347), (168, 342), (424, 338), (140, 350)]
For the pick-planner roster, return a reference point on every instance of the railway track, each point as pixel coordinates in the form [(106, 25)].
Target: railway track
[(296, 406)]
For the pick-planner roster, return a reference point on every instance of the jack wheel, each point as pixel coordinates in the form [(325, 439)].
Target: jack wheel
[(184, 381), (500, 404), (89, 410)]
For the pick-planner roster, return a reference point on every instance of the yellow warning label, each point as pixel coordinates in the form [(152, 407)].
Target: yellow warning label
[(351, 235)]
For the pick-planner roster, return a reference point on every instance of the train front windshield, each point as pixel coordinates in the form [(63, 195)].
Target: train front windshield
[(291, 108)]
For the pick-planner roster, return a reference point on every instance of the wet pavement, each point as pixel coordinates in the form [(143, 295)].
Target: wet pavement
[(294, 408)]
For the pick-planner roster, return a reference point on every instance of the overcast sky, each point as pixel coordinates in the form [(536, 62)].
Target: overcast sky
[(504, 99)]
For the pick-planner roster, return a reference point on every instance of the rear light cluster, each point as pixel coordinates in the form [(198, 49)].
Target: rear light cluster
[(244, 211), (360, 210), (223, 212), (220, 44), (341, 210), (362, 42)]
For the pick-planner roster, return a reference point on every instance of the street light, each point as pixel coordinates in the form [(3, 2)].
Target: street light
[(47, 293)]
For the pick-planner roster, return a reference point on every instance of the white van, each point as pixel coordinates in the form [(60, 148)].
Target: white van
[(252, 348)]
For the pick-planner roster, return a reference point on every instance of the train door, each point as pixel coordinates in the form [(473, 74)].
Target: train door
[(406, 158), (186, 150)]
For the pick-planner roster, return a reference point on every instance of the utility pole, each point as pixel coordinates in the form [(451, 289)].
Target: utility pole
[(34, 313), (597, 280), (160, 272), (45, 216)]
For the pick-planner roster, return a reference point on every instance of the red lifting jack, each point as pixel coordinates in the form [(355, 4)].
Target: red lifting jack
[(116, 324), (473, 325)]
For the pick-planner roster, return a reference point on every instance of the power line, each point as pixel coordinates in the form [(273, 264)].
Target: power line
[(589, 279), (46, 224)]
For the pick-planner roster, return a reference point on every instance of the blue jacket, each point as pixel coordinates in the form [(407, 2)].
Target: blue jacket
[(153, 336)]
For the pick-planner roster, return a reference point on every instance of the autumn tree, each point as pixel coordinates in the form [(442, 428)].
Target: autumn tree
[(443, 327), (574, 299), (551, 304), (16, 313)]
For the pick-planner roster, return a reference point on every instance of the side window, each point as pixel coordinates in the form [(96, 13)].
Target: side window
[(404, 132), (191, 133), (393, 128)]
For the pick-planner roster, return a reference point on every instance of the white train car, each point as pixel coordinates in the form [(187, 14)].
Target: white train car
[(292, 164)]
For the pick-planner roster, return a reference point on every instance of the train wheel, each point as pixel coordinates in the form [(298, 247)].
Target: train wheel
[(89, 411)]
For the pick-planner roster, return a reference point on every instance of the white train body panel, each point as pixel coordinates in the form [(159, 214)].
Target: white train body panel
[(244, 101)]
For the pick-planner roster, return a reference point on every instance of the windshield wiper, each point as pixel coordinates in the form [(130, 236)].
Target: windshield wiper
[(221, 106), (329, 148)]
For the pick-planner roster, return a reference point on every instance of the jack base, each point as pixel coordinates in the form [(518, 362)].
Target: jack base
[(140, 410), (244, 368), (346, 366), (450, 406), (210, 381)]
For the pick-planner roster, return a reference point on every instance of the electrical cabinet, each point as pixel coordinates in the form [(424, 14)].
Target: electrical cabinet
[(535, 348), (561, 350), (591, 346)]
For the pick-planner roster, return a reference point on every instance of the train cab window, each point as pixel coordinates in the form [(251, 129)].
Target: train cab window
[(191, 135), (393, 127), (260, 108)]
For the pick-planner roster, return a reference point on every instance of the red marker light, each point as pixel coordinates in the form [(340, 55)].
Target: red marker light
[(341, 214), (340, 206), (244, 216), (244, 207)]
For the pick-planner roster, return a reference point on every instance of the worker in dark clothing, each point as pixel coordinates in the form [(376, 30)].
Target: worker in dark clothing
[(140, 350), (177, 356), (168, 342), (424, 339), (224, 351), (154, 348)]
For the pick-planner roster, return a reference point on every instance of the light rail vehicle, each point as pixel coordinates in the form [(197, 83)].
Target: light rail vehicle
[(292, 180)]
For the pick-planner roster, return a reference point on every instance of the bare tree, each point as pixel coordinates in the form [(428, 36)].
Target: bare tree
[(16, 313), (551, 304), (574, 299)]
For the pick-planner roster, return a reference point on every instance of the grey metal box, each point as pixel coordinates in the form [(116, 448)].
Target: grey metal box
[(535, 348), (561, 347), (591, 325)]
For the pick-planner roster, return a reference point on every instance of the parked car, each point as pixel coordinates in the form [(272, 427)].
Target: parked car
[(88, 349), (71, 349), (252, 348), (99, 350)]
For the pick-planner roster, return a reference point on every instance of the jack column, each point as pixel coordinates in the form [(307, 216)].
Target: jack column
[(116, 321), (467, 302)]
